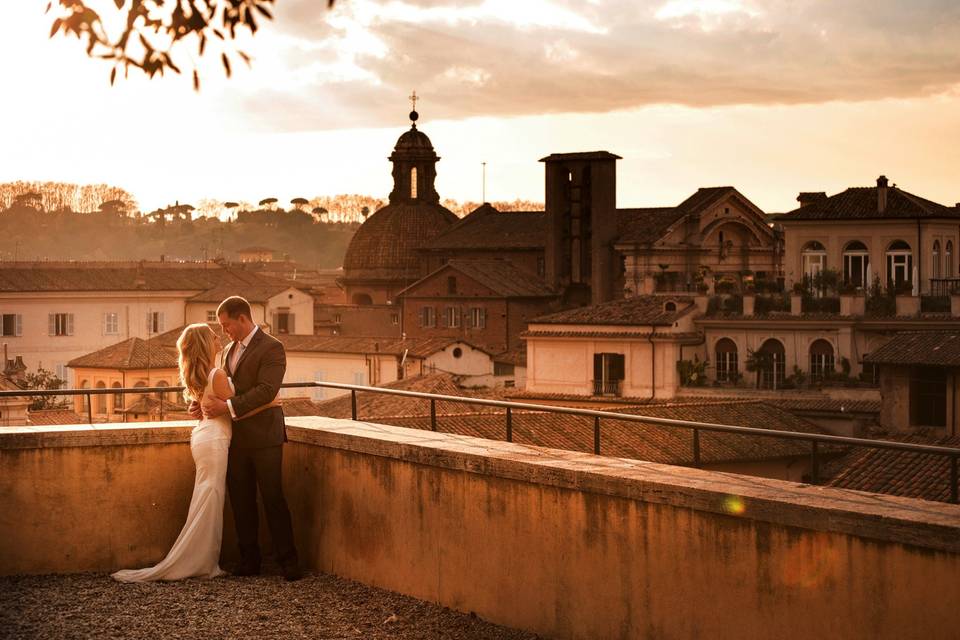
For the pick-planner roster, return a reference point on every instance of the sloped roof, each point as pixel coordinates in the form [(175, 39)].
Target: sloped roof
[(860, 203), (640, 310), (898, 473), (127, 276), (502, 277), (259, 293), (378, 406), (638, 440), (487, 228), (647, 225), (54, 416), (133, 353), (415, 347), (935, 348)]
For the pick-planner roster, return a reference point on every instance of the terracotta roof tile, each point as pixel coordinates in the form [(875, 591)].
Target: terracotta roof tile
[(500, 276), (134, 353), (127, 276), (640, 310), (936, 348), (54, 416), (638, 440), (898, 473), (860, 203), (487, 228)]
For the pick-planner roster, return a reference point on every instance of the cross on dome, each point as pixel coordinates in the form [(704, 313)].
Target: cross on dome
[(413, 113)]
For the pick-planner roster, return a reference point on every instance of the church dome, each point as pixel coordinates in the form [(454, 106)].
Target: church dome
[(385, 246), (413, 140)]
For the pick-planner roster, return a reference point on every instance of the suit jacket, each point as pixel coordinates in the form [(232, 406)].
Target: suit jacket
[(256, 381)]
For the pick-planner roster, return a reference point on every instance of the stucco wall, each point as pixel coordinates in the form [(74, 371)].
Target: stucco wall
[(565, 544)]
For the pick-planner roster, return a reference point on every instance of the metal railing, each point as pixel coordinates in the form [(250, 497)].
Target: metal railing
[(607, 387), (815, 439), (944, 286)]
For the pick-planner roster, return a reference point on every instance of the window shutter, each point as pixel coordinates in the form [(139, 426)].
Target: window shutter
[(149, 324), (69, 324), (273, 324), (18, 329), (483, 318), (290, 325), (104, 327), (598, 366), (160, 322), (52, 324)]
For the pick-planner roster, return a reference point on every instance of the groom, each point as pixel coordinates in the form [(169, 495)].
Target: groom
[(256, 363)]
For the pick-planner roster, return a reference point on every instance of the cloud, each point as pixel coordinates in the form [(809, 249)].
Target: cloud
[(510, 57)]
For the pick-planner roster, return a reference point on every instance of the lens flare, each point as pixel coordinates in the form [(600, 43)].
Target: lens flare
[(734, 505)]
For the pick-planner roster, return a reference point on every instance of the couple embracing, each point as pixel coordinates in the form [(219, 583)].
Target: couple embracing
[(237, 444)]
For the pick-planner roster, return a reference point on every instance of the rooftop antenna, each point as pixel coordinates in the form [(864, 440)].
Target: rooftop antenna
[(484, 190)]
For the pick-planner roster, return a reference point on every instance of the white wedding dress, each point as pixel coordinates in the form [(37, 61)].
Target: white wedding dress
[(196, 553)]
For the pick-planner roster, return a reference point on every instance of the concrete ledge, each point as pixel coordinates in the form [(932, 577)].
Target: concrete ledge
[(932, 525), (97, 435)]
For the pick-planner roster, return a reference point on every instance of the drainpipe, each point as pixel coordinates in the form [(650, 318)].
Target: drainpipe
[(919, 261), (653, 364)]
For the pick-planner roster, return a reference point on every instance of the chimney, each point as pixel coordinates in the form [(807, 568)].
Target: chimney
[(881, 194), (809, 197)]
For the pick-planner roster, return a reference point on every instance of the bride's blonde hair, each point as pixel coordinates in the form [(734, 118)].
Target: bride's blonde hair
[(197, 348)]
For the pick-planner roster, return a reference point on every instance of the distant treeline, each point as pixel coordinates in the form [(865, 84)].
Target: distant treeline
[(60, 221)]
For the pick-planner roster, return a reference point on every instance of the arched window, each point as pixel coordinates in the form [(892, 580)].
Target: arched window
[(117, 398), (936, 259), (948, 260), (670, 306), (899, 264), (773, 364), (413, 183), (856, 264), (138, 385), (726, 351), (362, 299), (101, 399), (821, 360), (814, 258)]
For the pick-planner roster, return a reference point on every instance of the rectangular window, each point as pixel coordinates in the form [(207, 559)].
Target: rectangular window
[(478, 318), (11, 324), (928, 397), (428, 317), (608, 374), (111, 323), (211, 315), (283, 320), (503, 369), (337, 318), (60, 324), (451, 284), (154, 322), (452, 317), (726, 366), (395, 318), (541, 266)]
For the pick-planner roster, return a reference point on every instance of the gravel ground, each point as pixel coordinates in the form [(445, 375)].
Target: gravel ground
[(318, 607)]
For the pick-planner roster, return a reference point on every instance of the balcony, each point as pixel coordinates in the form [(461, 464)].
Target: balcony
[(558, 543), (608, 388)]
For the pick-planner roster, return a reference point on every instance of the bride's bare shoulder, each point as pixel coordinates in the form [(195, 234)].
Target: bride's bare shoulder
[(221, 384)]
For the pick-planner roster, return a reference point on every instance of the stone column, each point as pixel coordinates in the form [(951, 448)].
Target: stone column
[(796, 304)]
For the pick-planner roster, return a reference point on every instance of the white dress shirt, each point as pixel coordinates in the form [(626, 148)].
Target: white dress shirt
[(235, 355)]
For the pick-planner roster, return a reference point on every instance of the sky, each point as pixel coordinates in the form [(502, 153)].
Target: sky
[(773, 97)]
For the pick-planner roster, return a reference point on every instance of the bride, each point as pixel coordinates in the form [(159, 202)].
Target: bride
[(196, 553)]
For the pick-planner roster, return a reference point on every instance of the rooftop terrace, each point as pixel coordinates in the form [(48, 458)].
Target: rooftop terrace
[(559, 543)]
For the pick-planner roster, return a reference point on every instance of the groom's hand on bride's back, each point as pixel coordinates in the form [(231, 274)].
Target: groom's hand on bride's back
[(194, 410)]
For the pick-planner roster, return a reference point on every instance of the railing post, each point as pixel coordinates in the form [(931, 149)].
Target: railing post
[(953, 480), (161, 405), (814, 464), (89, 409), (353, 404), (596, 435), (433, 414), (509, 425), (696, 448)]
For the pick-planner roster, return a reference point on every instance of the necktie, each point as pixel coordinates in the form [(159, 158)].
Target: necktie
[(237, 352)]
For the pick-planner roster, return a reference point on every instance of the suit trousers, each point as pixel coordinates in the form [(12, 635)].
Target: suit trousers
[(247, 470)]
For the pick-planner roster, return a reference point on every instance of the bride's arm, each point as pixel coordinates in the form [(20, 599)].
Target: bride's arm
[(221, 385)]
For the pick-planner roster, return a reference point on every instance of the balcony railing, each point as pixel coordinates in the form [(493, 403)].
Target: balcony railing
[(944, 286), (815, 439), (608, 387)]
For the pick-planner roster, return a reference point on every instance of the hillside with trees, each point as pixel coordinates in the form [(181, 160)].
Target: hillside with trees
[(60, 221)]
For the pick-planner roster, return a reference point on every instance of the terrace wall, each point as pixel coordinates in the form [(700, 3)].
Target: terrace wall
[(565, 544)]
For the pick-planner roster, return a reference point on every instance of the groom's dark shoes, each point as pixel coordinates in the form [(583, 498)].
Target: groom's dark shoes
[(246, 569), (291, 571)]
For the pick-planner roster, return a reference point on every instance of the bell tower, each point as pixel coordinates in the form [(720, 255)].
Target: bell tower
[(414, 165)]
